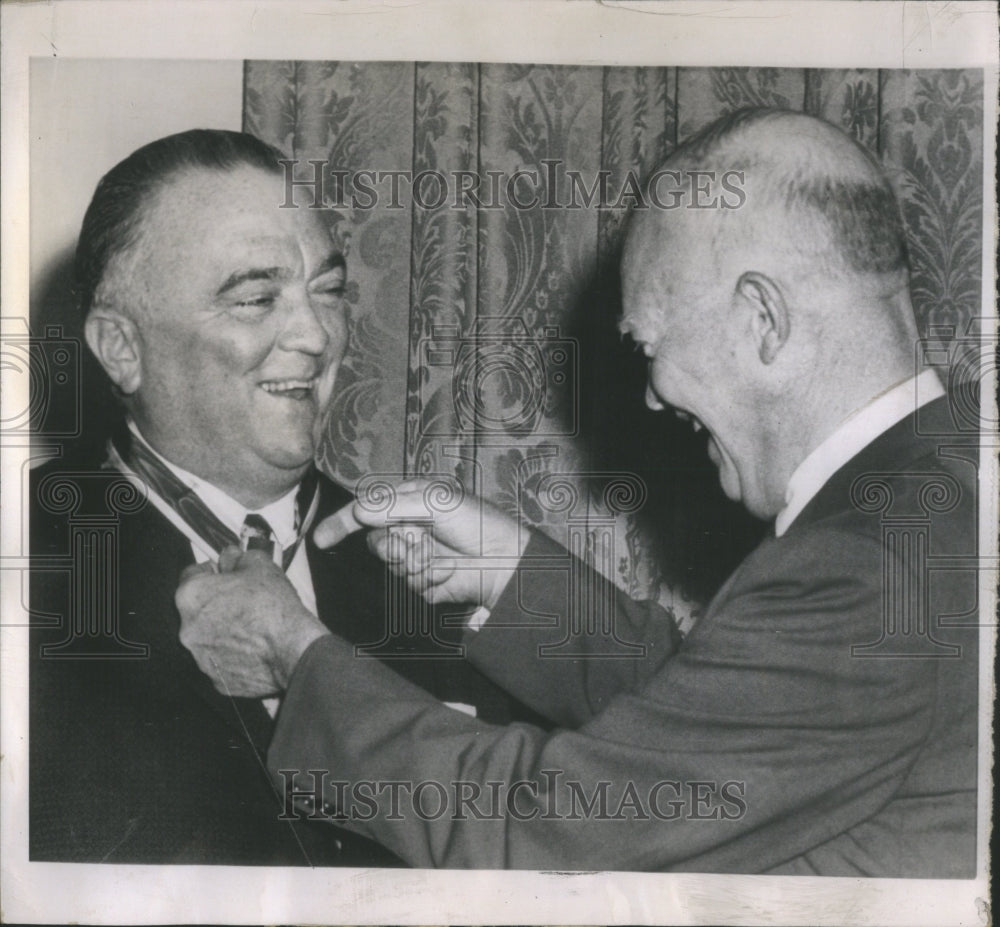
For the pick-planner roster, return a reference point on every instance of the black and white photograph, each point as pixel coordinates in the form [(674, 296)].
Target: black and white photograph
[(498, 463)]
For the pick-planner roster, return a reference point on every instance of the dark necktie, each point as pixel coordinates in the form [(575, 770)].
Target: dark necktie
[(141, 459), (257, 534)]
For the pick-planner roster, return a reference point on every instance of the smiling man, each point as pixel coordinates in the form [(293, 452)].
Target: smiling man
[(821, 716), (220, 320), (241, 306)]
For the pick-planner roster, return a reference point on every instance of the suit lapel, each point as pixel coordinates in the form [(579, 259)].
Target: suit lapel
[(347, 579), (153, 555)]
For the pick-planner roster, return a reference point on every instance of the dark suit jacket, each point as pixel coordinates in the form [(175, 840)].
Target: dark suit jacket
[(139, 759), (820, 718)]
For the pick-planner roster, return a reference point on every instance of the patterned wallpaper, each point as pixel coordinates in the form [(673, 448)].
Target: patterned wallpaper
[(483, 339)]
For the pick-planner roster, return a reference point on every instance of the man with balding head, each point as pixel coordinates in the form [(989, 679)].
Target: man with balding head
[(772, 323), (821, 716)]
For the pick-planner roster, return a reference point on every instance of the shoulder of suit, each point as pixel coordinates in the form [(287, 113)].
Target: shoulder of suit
[(65, 490)]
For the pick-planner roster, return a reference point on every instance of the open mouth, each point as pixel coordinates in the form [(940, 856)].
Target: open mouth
[(296, 389), (694, 421)]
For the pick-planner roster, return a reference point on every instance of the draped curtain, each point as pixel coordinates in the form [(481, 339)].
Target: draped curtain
[(483, 340)]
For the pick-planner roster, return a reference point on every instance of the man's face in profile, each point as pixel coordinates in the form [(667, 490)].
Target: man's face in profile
[(243, 324), (670, 308)]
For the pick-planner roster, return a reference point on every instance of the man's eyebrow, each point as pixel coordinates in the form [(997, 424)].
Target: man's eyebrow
[(252, 274)]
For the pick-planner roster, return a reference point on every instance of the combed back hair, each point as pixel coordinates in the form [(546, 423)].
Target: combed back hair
[(834, 179), (113, 221)]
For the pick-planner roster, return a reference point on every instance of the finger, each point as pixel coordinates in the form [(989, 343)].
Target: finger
[(424, 575), (333, 529), (393, 544), (417, 546), (378, 542), (421, 577), (190, 636), (396, 550), (196, 569), (416, 577), (419, 553), (437, 591), (228, 558), (406, 506), (192, 593), (253, 560), (389, 547)]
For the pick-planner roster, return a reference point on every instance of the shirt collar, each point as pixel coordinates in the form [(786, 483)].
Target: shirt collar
[(280, 514), (855, 433)]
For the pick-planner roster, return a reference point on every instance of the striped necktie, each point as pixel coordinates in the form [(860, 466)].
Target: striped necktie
[(143, 461)]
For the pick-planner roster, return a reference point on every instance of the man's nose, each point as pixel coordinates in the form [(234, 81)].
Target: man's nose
[(304, 331), (652, 400)]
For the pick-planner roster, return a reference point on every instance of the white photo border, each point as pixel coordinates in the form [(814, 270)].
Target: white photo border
[(821, 34)]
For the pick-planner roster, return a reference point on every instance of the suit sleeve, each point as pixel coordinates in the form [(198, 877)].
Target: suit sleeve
[(563, 639), (760, 738)]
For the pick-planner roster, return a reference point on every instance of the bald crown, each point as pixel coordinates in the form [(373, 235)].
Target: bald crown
[(815, 203), (840, 206), (816, 174)]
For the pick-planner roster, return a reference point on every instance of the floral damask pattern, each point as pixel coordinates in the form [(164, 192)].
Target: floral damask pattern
[(932, 134), (348, 115), (847, 98), (443, 271), (541, 121), (703, 94), (639, 130), (480, 333)]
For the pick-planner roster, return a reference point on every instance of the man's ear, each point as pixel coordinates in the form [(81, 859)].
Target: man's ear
[(115, 341), (770, 323)]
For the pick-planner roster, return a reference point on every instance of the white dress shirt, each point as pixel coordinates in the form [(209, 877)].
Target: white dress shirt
[(854, 434), (280, 515)]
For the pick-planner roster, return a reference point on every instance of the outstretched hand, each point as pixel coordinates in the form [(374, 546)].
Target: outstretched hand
[(465, 553), (244, 623)]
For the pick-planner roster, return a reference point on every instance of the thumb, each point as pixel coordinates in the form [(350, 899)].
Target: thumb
[(234, 560), (194, 589), (228, 558)]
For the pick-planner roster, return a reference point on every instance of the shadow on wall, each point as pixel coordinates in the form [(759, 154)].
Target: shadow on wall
[(73, 408), (698, 535)]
